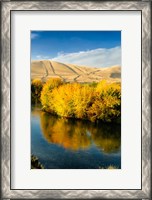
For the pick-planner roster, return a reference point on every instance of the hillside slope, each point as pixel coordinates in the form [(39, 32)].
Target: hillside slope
[(46, 69)]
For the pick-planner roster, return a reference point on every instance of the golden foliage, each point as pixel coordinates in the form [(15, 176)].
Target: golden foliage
[(107, 104), (46, 94), (74, 100), (82, 100), (63, 99)]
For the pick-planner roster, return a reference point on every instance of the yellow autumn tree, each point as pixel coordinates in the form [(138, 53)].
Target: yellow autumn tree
[(107, 104), (46, 94), (82, 100), (100, 101), (63, 98)]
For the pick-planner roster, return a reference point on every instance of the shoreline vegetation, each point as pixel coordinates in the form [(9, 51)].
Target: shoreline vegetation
[(35, 164), (88, 101)]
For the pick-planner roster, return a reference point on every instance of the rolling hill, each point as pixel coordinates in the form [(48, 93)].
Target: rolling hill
[(46, 69)]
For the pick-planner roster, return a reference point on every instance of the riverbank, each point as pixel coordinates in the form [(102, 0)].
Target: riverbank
[(35, 164)]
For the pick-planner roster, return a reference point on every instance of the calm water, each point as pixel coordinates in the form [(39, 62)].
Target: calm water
[(74, 144)]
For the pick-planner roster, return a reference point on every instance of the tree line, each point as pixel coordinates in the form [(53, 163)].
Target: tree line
[(94, 102)]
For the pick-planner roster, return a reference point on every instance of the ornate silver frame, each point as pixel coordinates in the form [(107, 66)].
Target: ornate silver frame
[(145, 8)]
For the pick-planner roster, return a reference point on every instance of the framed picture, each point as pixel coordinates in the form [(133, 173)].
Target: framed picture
[(76, 84)]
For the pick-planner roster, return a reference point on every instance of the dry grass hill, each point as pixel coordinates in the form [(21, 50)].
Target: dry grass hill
[(46, 69)]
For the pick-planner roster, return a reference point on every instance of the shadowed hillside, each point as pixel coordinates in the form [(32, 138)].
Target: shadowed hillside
[(46, 69)]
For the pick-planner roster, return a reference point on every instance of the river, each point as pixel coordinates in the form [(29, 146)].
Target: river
[(61, 143)]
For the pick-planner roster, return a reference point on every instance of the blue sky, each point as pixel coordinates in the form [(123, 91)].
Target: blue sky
[(90, 48)]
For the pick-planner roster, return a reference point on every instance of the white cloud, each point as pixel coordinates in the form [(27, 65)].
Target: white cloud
[(41, 57), (101, 57), (34, 35)]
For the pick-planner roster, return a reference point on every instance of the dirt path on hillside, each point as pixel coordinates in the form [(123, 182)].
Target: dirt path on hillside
[(53, 70), (78, 75), (46, 74)]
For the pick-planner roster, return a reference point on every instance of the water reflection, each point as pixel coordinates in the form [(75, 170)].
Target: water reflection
[(79, 135)]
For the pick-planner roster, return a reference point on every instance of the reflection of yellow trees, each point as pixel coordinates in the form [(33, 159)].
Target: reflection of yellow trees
[(60, 131), (107, 138), (77, 135)]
